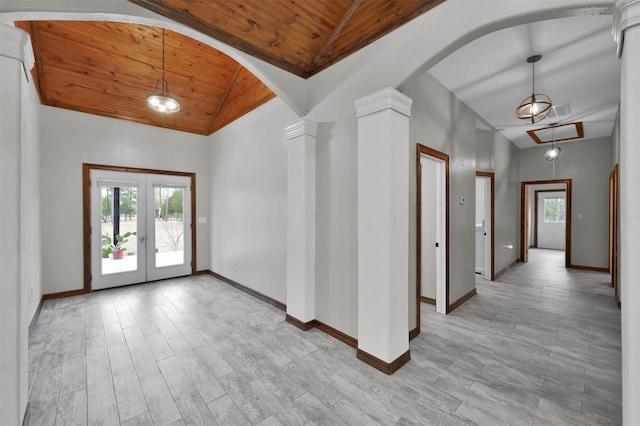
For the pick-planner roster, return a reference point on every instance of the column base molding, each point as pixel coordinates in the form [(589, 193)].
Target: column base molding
[(304, 326), (386, 367)]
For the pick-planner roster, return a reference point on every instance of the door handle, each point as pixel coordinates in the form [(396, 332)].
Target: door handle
[(437, 244), (142, 239)]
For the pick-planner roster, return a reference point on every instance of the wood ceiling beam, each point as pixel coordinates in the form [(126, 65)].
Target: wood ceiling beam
[(336, 31), (224, 99)]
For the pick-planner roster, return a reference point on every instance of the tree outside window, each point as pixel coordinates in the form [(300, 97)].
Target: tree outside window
[(554, 210)]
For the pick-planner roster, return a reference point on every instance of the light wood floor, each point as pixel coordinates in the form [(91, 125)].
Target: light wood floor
[(539, 346)]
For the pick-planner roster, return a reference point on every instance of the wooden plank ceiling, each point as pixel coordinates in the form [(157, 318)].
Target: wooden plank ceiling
[(300, 36), (109, 68)]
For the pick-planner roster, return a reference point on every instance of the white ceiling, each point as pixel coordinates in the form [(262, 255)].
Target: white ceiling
[(578, 66)]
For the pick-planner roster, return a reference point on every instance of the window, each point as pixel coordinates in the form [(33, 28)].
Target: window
[(554, 210)]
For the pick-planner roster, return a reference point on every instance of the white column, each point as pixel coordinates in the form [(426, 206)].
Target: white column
[(14, 62), (627, 34), (383, 229), (301, 224)]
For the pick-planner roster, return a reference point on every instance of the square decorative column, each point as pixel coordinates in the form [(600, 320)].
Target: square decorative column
[(16, 59), (301, 224), (627, 34), (383, 229)]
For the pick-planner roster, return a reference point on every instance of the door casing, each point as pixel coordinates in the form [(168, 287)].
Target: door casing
[(86, 211), (490, 256), (424, 150), (525, 219)]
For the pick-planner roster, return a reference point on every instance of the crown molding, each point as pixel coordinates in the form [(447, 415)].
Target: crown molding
[(304, 127), (388, 98), (15, 44), (626, 15)]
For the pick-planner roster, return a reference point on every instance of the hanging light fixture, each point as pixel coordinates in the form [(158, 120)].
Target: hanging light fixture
[(537, 106), (553, 152), (162, 101)]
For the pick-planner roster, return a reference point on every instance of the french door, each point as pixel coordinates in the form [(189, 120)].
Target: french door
[(140, 227)]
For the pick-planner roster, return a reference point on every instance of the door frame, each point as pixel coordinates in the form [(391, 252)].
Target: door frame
[(525, 219), (492, 220), (86, 211), (535, 212), (422, 149), (614, 200)]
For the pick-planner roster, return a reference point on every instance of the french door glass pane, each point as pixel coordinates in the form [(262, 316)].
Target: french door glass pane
[(119, 224), (169, 226)]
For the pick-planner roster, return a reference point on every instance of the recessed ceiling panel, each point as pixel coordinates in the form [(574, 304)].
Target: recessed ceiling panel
[(559, 133)]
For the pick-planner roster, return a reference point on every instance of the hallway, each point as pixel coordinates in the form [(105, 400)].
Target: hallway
[(541, 345)]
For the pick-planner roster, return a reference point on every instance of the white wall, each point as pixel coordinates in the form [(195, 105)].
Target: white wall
[(441, 121), (507, 196), (495, 153), (69, 139), (337, 224), (485, 150), (588, 164), (247, 193)]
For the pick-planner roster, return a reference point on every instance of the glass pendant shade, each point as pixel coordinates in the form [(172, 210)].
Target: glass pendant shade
[(162, 101), (552, 153)]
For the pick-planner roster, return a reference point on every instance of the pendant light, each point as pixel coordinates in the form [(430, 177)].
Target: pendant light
[(537, 106), (553, 152), (161, 101)]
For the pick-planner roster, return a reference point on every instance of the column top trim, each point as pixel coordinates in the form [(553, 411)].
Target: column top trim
[(15, 44), (302, 128), (388, 98), (626, 15)]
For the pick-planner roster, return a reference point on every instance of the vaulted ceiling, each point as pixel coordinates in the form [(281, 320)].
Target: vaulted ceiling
[(108, 68), (299, 36), (579, 70)]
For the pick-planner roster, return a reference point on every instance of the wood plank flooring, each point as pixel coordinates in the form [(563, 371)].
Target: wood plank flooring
[(539, 346)]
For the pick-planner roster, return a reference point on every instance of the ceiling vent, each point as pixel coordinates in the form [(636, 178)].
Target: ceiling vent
[(560, 110)]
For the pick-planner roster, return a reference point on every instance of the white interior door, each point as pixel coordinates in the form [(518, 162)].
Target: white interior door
[(480, 225), (152, 215), (488, 232), (441, 246), (483, 226), (433, 226)]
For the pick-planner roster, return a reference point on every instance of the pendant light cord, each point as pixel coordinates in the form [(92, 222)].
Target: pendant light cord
[(163, 79), (533, 77), (554, 147)]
